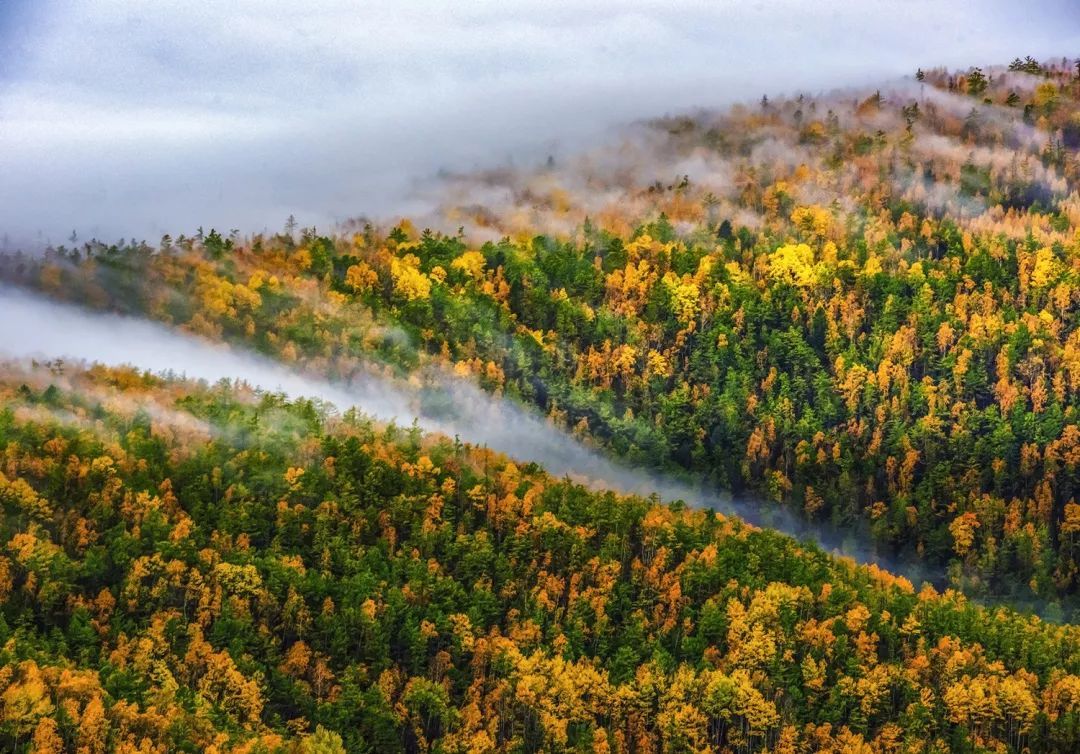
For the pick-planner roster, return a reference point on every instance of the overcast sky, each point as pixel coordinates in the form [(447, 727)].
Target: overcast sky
[(122, 118)]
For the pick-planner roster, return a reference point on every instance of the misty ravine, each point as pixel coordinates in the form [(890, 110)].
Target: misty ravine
[(38, 328)]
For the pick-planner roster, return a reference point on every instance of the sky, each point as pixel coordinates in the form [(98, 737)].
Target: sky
[(135, 119)]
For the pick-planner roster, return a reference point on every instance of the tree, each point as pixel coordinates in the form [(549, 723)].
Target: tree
[(976, 82), (322, 741)]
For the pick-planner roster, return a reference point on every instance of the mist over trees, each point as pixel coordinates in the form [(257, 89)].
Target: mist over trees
[(857, 310)]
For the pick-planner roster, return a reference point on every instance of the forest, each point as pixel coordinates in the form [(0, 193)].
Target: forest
[(208, 568), (861, 308)]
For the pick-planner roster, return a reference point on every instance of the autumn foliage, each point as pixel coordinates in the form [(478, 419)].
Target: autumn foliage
[(864, 307), (275, 577)]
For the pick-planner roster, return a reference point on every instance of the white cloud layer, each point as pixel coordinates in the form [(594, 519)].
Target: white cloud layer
[(136, 119)]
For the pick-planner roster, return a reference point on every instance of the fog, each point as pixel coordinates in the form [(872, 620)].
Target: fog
[(121, 119), (606, 184), (36, 328)]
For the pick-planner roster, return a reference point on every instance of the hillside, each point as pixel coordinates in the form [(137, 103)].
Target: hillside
[(861, 306), (193, 568)]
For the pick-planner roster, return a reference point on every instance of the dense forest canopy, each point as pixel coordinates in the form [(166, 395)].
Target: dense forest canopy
[(863, 308), (208, 568)]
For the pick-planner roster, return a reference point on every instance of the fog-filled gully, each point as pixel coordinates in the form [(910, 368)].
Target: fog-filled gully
[(35, 327)]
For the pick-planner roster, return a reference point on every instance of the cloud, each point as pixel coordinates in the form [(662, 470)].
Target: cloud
[(122, 119)]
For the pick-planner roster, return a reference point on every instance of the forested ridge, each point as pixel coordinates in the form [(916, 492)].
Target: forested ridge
[(205, 568), (859, 306), (864, 308)]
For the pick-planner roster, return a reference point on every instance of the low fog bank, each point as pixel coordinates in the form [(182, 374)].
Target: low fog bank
[(35, 327), (613, 184), (121, 120)]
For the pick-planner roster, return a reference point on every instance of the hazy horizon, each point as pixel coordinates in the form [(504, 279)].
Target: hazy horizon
[(134, 123)]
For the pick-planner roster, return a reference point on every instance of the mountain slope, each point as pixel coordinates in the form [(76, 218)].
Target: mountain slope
[(862, 306), (193, 568)]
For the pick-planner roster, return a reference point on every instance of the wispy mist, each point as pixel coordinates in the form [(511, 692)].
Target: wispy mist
[(121, 119), (35, 327)]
